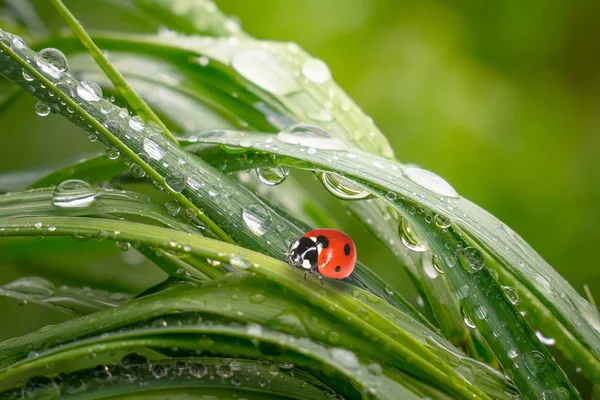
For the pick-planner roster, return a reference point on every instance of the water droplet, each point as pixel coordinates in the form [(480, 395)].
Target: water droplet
[(512, 353), (155, 146), (462, 292), (257, 218), (17, 42), (203, 61), (175, 182), (42, 109), (345, 357), (474, 258), (53, 62), (265, 71), (89, 91), (545, 340), (375, 369), (112, 153), (136, 123), (511, 294), (26, 76), (224, 371), (316, 71), (342, 187), (535, 362), (442, 221), (215, 189), (172, 207), (74, 193), (468, 322), (272, 176), (409, 238), (310, 136), (257, 298), (112, 126), (198, 370), (430, 181), (159, 371), (124, 246), (132, 360), (34, 286), (137, 171)]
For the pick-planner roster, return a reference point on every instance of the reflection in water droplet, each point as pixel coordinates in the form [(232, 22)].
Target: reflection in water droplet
[(316, 71), (535, 362), (53, 62), (430, 181), (474, 258), (136, 123), (442, 221), (342, 187), (257, 218), (511, 294), (467, 320), (112, 153), (512, 353), (42, 109), (89, 91), (155, 146), (26, 76), (409, 238), (272, 176), (172, 207), (545, 340), (176, 182), (73, 193)]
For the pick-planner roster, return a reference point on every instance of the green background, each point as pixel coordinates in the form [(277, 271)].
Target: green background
[(501, 98)]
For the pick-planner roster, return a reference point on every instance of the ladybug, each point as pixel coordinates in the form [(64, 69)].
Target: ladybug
[(327, 252)]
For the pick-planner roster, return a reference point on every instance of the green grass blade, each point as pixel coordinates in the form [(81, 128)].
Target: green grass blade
[(133, 99)]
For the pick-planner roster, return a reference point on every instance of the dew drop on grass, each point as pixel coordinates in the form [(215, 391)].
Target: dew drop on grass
[(272, 176), (409, 238), (511, 294), (42, 109), (480, 312), (136, 123), (345, 357), (197, 370), (74, 193), (257, 218), (132, 360), (52, 62), (137, 171), (316, 71), (310, 136), (535, 362), (512, 353), (215, 189), (175, 182), (112, 126), (468, 322), (17, 42), (442, 221), (430, 181), (112, 153), (122, 245), (34, 286), (342, 187), (89, 91), (172, 207), (155, 146), (474, 258), (26, 76), (257, 298)]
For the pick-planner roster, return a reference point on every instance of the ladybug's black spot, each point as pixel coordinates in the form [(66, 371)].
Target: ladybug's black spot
[(338, 268), (347, 249), (323, 241)]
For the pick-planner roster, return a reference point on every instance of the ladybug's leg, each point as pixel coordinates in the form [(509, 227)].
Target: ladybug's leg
[(305, 275), (321, 279)]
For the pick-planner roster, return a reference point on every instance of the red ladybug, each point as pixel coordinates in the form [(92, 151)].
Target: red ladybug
[(328, 252)]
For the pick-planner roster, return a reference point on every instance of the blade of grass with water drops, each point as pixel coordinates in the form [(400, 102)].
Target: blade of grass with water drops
[(416, 188), (340, 307)]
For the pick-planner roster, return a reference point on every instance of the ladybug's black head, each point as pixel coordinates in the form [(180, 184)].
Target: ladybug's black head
[(304, 253)]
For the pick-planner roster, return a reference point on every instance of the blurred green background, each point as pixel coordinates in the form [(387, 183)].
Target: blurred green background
[(500, 98)]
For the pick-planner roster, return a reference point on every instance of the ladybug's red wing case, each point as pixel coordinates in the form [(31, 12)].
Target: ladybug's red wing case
[(337, 255)]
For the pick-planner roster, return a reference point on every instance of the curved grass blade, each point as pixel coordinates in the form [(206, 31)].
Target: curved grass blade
[(63, 298), (345, 308), (168, 378), (498, 322)]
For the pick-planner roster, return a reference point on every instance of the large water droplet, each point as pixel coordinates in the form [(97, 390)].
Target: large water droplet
[(74, 193), (89, 91), (176, 182), (257, 218), (535, 362), (511, 294), (53, 62), (136, 123), (342, 187), (34, 286), (430, 181), (42, 109), (155, 146), (272, 176), (409, 238), (474, 258), (265, 71), (316, 71)]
